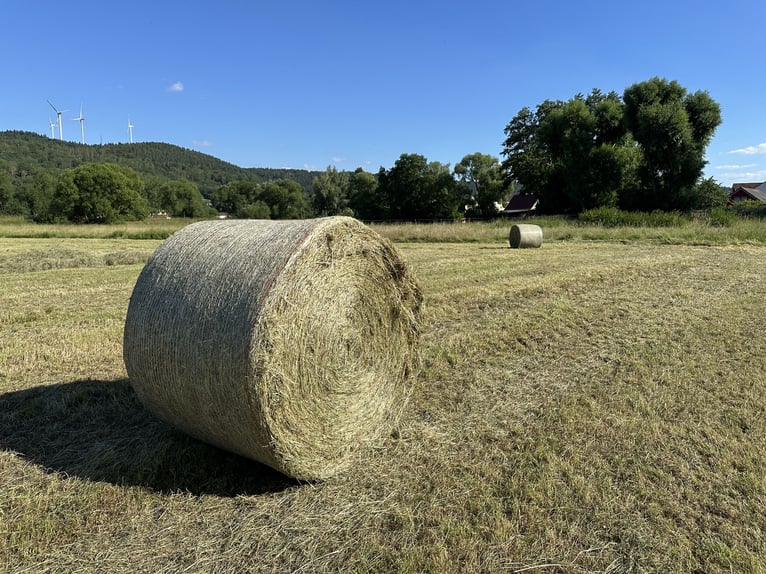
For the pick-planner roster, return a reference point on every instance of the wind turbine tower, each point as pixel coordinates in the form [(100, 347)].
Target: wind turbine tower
[(82, 124), (53, 128), (130, 130), (58, 115)]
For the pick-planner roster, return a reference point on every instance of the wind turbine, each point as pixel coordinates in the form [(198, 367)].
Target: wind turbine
[(82, 124), (130, 130), (53, 128), (58, 115)]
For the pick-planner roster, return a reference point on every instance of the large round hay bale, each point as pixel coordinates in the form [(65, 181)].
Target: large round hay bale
[(526, 235), (288, 342)]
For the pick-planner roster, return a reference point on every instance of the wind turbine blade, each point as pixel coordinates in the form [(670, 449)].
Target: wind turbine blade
[(51, 105)]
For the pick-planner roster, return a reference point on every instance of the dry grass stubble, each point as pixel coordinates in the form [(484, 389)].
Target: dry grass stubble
[(582, 408)]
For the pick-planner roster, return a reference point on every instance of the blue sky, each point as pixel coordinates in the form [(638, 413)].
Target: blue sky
[(352, 84)]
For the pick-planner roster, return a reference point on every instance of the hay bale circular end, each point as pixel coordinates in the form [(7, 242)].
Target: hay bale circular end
[(524, 235), (288, 342)]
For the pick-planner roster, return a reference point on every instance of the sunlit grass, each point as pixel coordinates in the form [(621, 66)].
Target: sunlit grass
[(596, 405), (147, 229), (555, 229), (692, 232)]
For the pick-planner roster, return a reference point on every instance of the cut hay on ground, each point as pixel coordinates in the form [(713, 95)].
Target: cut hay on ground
[(525, 235), (288, 342)]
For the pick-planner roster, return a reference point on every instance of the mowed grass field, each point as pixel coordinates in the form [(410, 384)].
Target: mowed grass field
[(590, 406)]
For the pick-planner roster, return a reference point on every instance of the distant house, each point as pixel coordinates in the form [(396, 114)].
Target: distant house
[(520, 206), (748, 192)]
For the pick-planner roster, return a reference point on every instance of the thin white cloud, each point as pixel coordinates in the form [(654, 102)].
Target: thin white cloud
[(750, 175), (202, 143), (337, 159), (751, 149), (177, 87), (736, 167)]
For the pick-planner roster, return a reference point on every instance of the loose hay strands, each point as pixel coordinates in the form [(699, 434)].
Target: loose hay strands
[(289, 342), (525, 235)]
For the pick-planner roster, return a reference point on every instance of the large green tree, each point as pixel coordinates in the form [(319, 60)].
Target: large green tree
[(526, 158), (572, 155), (6, 187), (365, 197), (181, 198), (18, 185), (591, 156), (286, 199), (330, 190), (644, 151), (417, 189), (280, 199), (234, 196), (481, 177), (35, 200), (98, 193), (673, 128)]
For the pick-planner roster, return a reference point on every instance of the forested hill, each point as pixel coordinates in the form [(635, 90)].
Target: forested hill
[(28, 151)]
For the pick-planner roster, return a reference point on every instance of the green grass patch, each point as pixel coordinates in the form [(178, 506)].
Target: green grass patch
[(613, 217), (749, 209)]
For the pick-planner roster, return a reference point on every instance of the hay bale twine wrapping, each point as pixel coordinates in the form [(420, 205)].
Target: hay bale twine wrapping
[(288, 342), (526, 235)]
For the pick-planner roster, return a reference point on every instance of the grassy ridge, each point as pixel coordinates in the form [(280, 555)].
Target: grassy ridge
[(589, 406)]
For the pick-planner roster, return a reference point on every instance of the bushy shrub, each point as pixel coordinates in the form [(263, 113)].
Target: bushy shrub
[(606, 216), (97, 193), (750, 209), (256, 210), (613, 217), (722, 217)]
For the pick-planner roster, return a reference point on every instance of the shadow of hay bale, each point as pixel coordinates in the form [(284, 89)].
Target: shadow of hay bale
[(98, 430)]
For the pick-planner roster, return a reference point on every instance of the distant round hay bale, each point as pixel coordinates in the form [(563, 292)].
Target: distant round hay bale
[(288, 342), (526, 235)]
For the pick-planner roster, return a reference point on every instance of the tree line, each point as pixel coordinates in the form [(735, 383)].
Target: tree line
[(99, 193), (641, 151), (412, 189)]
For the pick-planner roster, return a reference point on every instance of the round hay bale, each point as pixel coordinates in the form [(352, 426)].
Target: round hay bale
[(288, 342), (526, 235)]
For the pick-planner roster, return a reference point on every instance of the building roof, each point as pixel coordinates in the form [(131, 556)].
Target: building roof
[(521, 204), (755, 185), (752, 192)]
